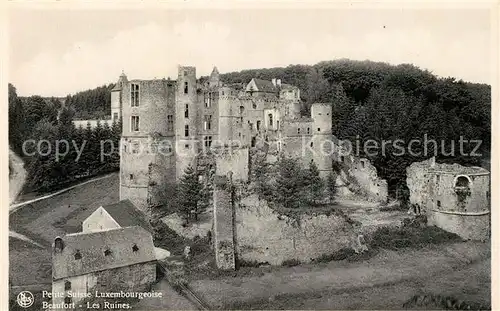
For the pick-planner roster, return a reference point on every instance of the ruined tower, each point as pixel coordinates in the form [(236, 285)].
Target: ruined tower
[(214, 80), (187, 118), (147, 158), (117, 98), (322, 138), (223, 223)]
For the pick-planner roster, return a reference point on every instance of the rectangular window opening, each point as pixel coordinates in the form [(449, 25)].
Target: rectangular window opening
[(134, 95), (134, 123)]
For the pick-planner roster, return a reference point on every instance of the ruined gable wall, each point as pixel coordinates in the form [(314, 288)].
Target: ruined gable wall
[(418, 182), (366, 176), (357, 176)]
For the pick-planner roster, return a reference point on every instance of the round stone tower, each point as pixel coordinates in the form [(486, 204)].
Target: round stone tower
[(322, 140)]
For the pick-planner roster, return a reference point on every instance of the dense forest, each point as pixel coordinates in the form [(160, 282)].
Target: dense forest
[(94, 104), (381, 102), (371, 101), (43, 126)]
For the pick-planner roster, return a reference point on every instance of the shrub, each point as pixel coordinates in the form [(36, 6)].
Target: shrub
[(291, 263), (245, 263), (410, 236), (341, 254)]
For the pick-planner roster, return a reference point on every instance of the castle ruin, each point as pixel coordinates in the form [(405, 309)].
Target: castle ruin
[(169, 125)]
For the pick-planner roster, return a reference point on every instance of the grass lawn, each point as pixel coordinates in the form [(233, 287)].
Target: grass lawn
[(28, 264), (385, 281), (44, 220)]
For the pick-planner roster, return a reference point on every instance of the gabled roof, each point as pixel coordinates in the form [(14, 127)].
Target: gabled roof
[(264, 85), (91, 248), (127, 215)]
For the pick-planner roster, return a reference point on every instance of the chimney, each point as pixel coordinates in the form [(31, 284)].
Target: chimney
[(278, 82), (274, 81)]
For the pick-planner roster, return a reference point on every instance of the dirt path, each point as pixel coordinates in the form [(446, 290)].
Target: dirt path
[(171, 300), (471, 284), (14, 207), (23, 237), (338, 278), (17, 176)]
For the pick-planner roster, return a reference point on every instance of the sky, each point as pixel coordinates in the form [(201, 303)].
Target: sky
[(60, 52)]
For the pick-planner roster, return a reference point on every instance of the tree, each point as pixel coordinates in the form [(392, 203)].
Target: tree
[(16, 121), (314, 184), (260, 170), (317, 88), (189, 193), (289, 183), (331, 186)]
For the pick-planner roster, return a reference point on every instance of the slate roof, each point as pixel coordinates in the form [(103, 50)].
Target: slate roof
[(127, 215), (264, 85), (91, 248)]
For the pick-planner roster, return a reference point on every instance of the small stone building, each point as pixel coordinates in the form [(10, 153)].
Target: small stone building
[(104, 261), (119, 215), (454, 197)]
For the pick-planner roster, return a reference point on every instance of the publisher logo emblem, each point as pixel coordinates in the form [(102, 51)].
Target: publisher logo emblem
[(25, 299)]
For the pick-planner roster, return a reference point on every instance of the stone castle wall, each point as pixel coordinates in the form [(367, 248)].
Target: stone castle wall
[(464, 211), (223, 224), (265, 236), (232, 159), (134, 278)]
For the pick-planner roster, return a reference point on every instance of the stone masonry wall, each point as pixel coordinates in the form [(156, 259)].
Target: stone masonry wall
[(433, 187), (265, 236), (134, 278), (223, 224), (359, 177), (232, 158)]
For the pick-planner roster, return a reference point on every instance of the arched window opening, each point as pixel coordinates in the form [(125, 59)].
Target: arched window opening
[(462, 182)]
